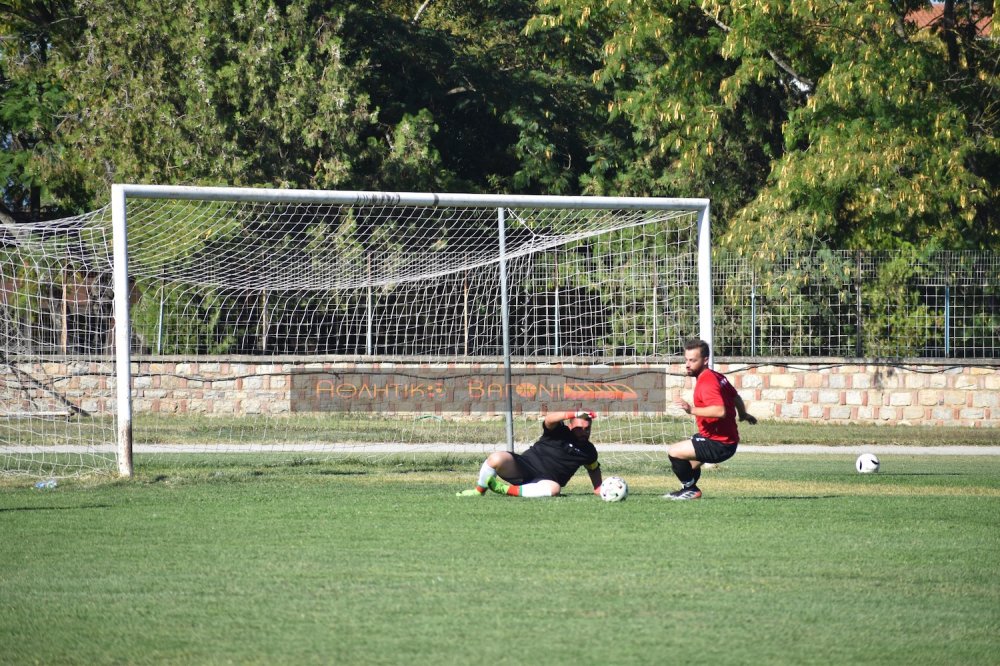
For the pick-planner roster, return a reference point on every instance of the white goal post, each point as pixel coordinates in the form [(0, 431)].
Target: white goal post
[(270, 306)]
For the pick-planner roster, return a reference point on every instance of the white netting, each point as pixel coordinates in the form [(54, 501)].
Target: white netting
[(233, 301), (56, 397)]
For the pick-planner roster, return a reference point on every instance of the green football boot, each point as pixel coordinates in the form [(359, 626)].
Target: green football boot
[(498, 486)]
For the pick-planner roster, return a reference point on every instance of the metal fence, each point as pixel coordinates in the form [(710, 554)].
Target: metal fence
[(859, 304), (610, 306)]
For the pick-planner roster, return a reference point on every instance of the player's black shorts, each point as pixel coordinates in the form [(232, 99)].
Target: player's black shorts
[(711, 451), (528, 472)]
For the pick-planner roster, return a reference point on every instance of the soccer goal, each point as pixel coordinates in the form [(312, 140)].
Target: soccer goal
[(185, 322)]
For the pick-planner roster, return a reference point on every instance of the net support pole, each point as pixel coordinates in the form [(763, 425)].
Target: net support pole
[(947, 321), (705, 327), (505, 325), (369, 315), (123, 359), (159, 320), (556, 323), (753, 313)]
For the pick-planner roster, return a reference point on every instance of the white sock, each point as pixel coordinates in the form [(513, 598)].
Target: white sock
[(536, 490), (485, 473)]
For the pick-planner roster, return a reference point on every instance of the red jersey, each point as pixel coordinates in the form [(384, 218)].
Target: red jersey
[(712, 388)]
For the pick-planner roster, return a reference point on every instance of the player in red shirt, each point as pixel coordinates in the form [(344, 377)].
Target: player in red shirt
[(716, 406)]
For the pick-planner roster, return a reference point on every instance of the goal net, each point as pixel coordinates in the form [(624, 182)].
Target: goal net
[(291, 325), (57, 415)]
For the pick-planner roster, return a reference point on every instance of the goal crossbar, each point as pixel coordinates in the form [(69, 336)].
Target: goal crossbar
[(361, 198)]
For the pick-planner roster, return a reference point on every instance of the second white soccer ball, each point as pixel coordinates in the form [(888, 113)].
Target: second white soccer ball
[(614, 489), (867, 463)]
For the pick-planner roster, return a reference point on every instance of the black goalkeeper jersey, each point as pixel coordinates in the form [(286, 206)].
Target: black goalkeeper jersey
[(557, 455)]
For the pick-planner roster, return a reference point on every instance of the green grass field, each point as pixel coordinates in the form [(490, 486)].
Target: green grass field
[(786, 560)]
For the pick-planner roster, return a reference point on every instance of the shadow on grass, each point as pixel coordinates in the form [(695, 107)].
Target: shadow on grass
[(785, 497), (342, 472), (922, 474), (712, 498), (55, 508)]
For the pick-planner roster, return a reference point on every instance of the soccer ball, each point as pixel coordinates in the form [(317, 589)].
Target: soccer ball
[(614, 489), (867, 463)]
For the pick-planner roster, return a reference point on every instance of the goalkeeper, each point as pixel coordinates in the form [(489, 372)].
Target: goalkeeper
[(547, 465)]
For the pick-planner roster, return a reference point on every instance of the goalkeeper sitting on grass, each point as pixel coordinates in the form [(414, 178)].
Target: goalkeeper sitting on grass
[(545, 467)]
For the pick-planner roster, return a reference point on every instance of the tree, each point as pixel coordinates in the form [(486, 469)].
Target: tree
[(251, 93), (699, 123), (451, 96), (33, 179), (807, 121), (896, 147), (510, 111)]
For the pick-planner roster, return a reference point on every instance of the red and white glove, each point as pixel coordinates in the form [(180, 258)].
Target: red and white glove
[(588, 414)]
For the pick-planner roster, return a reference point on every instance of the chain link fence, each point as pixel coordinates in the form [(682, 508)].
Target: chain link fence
[(859, 304)]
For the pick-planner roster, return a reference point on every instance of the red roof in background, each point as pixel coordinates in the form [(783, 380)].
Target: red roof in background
[(926, 18)]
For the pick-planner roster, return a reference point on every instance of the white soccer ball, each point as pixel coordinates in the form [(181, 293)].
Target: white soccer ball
[(614, 489), (867, 463)]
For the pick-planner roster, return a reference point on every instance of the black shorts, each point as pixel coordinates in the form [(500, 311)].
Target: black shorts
[(528, 472), (711, 451)]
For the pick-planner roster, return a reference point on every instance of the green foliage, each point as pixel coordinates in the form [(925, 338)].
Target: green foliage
[(168, 321), (662, 65), (812, 125), (513, 112), (805, 121), (411, 160), (34, 179), (882, 155), (234, 93)]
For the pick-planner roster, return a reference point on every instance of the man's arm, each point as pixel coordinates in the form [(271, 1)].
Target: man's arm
[(552, 419), (741, 409), (595, 476), (710, 411)]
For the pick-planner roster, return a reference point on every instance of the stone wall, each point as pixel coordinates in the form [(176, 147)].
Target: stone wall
[(846, 391), (830, 390)]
